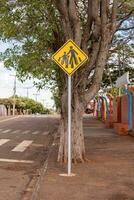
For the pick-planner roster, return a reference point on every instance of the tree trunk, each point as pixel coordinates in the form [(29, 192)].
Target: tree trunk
[(78, 148)]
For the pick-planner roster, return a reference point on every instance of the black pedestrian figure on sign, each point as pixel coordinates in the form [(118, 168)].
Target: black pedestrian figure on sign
[(73, 57), (64, 59)]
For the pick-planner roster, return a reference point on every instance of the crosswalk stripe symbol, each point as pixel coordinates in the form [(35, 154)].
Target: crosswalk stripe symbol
[(70, 57)]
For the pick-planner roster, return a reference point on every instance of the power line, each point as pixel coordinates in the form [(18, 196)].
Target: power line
[(27, 88), (36, 96), (43, 100)]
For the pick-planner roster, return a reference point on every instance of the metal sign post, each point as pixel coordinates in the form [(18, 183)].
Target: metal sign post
[(69, 127), (69, 58)]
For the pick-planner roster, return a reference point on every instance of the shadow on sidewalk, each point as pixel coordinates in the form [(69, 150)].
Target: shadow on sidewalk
[(108, 175)]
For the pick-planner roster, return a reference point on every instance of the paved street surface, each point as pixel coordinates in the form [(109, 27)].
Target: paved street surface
[(24, 143)]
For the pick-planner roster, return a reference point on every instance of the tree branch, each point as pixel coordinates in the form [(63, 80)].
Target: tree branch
[(99, 67), (104, 17), (63, 10), (84, 72), (124, 19), (114, 13), (126, 29), (96, 19), (74, 20), (87, 30)]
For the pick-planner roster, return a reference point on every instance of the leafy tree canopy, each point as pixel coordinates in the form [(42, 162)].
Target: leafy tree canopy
[(24, 103), (35, 29), (41, 27)]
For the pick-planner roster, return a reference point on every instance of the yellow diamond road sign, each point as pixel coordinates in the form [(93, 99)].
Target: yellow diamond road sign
[(70, 57)]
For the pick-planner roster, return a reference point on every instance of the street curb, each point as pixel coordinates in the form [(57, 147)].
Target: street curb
[(32, 190), (8, 119)]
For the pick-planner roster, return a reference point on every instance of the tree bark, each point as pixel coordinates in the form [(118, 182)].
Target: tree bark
[(95, 39), (78, 148)]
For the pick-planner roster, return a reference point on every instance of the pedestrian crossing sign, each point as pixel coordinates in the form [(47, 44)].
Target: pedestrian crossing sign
[(70, 57)]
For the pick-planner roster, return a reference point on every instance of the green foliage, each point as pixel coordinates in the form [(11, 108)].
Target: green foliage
[(31, 105), (6, 101), (121, 54), (113, 91), (23, 103), (121, 59), (35, 29), (56, 98), (32, 25)]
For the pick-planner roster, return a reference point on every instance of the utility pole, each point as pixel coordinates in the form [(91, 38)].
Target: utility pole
[(36, 96), (14, 93), (43, 100), (27, 88)]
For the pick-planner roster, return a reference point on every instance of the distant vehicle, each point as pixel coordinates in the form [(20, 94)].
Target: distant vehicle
[(90, 108)]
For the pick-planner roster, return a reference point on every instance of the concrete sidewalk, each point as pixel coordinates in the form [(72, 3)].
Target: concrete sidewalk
[(5, 117), (109, 174)]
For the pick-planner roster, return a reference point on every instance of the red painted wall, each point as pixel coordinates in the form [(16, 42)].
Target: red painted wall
[(117, 110), (133, 110), (124, 109)]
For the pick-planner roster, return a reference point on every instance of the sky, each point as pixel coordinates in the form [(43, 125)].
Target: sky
[(7, 84)]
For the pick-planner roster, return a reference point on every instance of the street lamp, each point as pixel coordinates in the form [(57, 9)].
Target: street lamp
[(36, 96), (43, 100), (27, 88), (14, 93)]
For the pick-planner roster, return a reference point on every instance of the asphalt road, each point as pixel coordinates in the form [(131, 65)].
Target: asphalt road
[(24, 144)]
